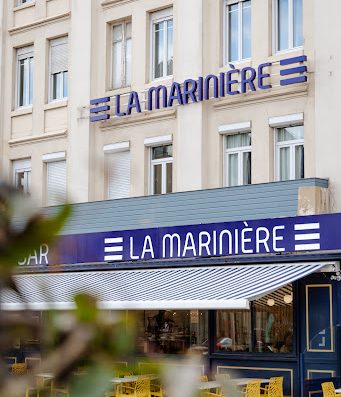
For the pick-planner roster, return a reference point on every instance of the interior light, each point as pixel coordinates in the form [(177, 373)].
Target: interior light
[(270, 302), (287, 298)]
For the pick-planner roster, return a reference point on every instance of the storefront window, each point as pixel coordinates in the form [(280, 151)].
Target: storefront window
[(172, 331), (270, 318)]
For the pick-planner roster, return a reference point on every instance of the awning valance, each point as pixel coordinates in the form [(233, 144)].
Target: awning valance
[(223, 287)]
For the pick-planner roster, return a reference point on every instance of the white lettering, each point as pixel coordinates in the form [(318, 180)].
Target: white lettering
[(276, 238), (205, 244), (189, 245), (170, 237), (221, 235), (35, 257), (263, 240), (132, 256), (147, 247), (44, 250), (245, 240)]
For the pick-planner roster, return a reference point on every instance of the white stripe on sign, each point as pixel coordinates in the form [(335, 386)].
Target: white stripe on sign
[(119, 248), (307, 226), (113, 240), (310, 236), (305, 247), (113, 258)]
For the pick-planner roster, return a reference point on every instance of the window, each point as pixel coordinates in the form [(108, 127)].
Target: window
[(161, 169), (172, 331), (118, 174), (22, 175), (162, 44), (58, 69), (238, 159), (266, 327), (25, 64), (121, 55), (290, 153), (288, 16), (56, 182), (238, 30), (21, 2)]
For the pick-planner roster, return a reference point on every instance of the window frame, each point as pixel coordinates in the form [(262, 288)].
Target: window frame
[(51, 75), (28, 56), (292, 145), (240, 151), (226, 29), (19, 3), (157, 17), (275, 34), (123, 54), (26, 169), (163, 162)]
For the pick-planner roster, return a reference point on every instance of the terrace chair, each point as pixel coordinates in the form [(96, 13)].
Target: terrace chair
[(141, 388), (32, 362), (58, 390), (252, 389), (274, 388), (19, 369), (203, 378), (156, 389), (43, 385), (328, 390)]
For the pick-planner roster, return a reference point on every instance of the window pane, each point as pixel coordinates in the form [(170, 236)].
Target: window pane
[(233, 169), (157, 182), (128, 62), (117, 65), (233, 330), (169, 47), (246, 29), (117, 33), (298, 22), (21, 82), (273, 322), (284, 163), (283, 19), (238, 140), (299, 161), (20, 181), (172, 331), (54, 85), (169, 171), (158, 49), (290, 133), (160, 152), (31, 63), (65, 85), (246, 168), (233, 32)]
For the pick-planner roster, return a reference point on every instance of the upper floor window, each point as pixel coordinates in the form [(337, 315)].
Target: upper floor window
[(21, 2), (22, 175), (289, 24), (56, 190), (161, 169), (290, 153), (238, 159), (59, 68), (162, 43), (121, 55), (238, 30), (24, 81)]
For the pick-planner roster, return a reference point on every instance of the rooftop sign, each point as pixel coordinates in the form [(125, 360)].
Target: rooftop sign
[(233, 82)]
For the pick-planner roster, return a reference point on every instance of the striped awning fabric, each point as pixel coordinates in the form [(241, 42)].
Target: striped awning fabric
[(223, 287)]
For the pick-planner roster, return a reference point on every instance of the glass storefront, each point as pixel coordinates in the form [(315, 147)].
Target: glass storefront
[(266, 327)]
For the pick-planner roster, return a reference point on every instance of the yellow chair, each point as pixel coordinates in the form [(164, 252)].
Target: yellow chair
[(156, 389), (57, 390), (203, 378), (274, 388), (252, 388), (43, 385), (141, 388), (19, 369), (329, 390)]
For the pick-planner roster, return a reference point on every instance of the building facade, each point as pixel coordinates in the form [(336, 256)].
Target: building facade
[(164, 114)]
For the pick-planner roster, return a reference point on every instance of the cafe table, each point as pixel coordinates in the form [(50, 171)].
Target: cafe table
[(338, 391), (245, 381)]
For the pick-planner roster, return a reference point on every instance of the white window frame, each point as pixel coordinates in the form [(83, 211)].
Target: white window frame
[(240, 151), (291, 145), (123, 55), (290, 27), (24, 54), (22, 2), (24, 166), (157, 17), (163, 163), (61, 40), (226, 41)]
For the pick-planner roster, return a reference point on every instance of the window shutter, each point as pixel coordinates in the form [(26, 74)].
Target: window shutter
[(118, 167), (56, 182), (59, 55), (25, 52)]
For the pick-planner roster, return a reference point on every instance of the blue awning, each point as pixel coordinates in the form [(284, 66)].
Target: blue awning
[(214, 287)]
